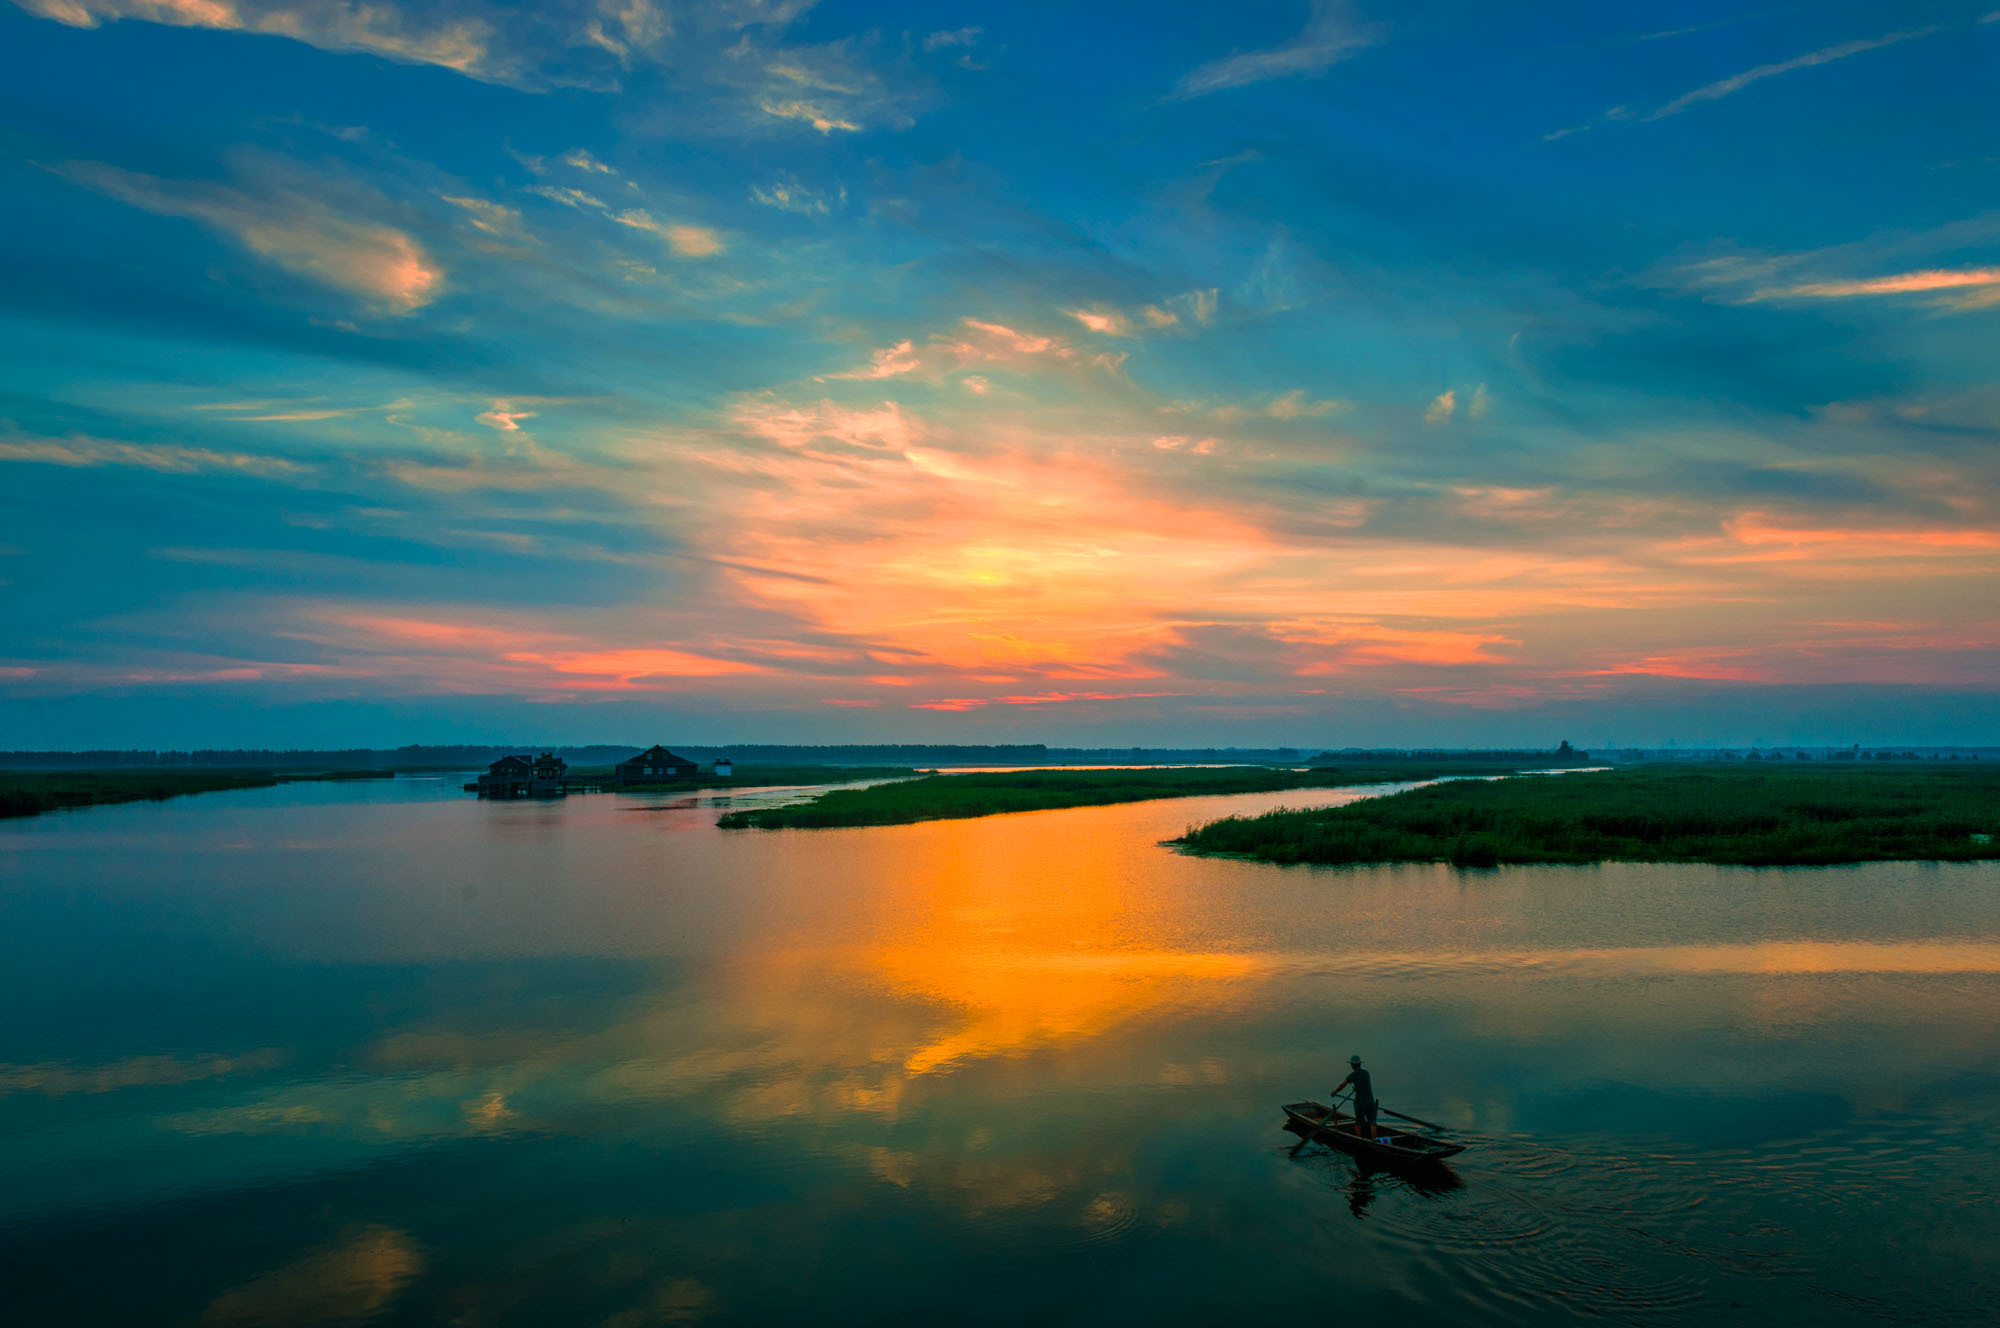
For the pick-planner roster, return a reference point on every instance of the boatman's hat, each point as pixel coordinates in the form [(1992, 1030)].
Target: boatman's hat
[(1354, 1060)]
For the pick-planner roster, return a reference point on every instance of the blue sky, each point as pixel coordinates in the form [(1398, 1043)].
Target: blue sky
[(1307, 373)]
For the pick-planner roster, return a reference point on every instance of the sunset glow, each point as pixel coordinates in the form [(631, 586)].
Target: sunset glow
[(792, 373)]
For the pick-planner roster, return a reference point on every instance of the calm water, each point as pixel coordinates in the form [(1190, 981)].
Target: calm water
[(382, 1053)]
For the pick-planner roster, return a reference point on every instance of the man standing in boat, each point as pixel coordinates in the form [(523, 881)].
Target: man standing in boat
[(1365, 1105)]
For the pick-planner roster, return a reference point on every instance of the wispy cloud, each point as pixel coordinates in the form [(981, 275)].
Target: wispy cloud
[(78, 450), (1108, 322), (1296, 404), (686, 241), (464, 45), (1779, 278), (976, 343), (831, 86), (1195, 308), (788, 195), (581, 159), (504, 417), (818, 114), (378, 263), (1737, 82), (955, 37), (683, 238), (1442, 407), (733, 51), (568, 197), (1972, 288), (495, 219), (1330, 35)]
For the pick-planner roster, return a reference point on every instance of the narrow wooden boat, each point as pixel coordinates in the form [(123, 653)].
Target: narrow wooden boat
[(1335, 1129)]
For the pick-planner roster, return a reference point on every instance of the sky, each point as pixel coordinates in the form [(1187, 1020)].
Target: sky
[(1298, 373)]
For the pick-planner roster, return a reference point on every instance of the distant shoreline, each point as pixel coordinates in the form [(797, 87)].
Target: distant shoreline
[(31, 793)]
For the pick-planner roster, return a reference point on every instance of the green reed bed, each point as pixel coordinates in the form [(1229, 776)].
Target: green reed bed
[(1749, 815), (953, 797), (760, 776), (31, 792)]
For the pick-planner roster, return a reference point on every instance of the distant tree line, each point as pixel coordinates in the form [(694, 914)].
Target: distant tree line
[(290, 758), (471, 756), (1560, 755)]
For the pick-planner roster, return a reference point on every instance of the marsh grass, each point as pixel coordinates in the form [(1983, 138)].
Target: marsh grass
[(953, 797), (31, 792), (760, 776), (1722, 814)]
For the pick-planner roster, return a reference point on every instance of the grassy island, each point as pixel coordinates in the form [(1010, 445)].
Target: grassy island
[(954, 797), (1750, 815), (764, 776), (31, 792)]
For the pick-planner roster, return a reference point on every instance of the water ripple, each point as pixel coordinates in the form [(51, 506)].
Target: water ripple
[(1532, 1228)]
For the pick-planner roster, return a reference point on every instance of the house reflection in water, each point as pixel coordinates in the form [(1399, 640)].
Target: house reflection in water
[(546, 776)]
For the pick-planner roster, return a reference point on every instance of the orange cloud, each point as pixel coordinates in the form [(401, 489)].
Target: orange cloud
[(632, 665), (1372, 643), (525, 656), (977, 344), (1716, 663), (287, 227), (1981, 283), (1756, 529)]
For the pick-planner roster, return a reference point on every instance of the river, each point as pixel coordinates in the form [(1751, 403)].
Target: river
[(382, 1053)]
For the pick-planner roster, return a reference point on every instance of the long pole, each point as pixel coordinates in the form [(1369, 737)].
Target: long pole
[(1411, 1119), (1324, 1126)]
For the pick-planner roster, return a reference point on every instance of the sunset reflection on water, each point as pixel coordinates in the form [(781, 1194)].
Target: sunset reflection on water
[(384, 1056)]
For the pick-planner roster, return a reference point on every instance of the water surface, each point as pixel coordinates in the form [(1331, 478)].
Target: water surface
[(383, 1053)]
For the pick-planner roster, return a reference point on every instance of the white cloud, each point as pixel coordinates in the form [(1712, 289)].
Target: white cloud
[(1183, 443), (639, 23), (568, 197), (1292, 405), (790, 196), (1442, 407), (493, 218), (815, 114), (888, 362), (464, 45), (1737, 82), (1195, 306), (1330, 35), (800, 428), (305, 235), (583, 161), (730, 56), (1296, 405), (956, 37), (686, 241), (1481, 403), (977, 344), (1108, 323), (78, 450), (504, 418), (829, 86)]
